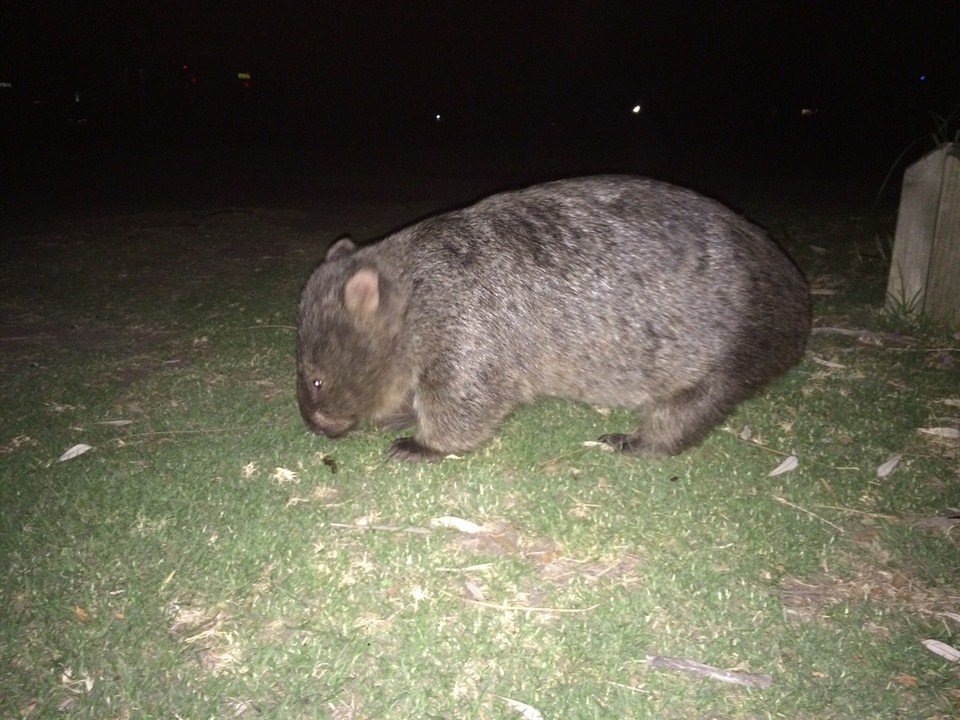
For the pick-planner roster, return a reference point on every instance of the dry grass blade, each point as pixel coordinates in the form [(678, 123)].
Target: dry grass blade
[(784, 501), (944, 432), (524, 608), (829, 363)]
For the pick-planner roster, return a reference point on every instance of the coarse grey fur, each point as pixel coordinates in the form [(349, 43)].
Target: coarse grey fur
[(612, 290)]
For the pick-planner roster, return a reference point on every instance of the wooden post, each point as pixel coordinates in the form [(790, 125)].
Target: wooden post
[(925, 272)]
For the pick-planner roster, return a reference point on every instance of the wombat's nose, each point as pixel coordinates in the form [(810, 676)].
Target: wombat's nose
[(323, 424)]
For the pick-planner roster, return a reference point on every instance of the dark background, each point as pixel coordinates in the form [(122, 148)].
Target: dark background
[(133, 104)]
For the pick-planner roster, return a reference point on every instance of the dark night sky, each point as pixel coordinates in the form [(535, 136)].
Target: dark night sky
[(832, 50), (696, 65)]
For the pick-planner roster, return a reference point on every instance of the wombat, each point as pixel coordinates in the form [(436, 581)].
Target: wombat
[(612, 290)]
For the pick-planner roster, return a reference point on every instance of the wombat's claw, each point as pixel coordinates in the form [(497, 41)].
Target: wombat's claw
[(407, 448), (619, 442)]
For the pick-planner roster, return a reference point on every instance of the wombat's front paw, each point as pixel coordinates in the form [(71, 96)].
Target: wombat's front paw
[(621, 443), (406, 448)]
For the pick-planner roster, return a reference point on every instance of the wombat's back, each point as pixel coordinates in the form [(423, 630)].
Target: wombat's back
[(607, 289)]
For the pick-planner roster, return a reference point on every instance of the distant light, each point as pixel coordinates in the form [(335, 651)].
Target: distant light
[(637, 109), (437, 117), (923, 78), (5, 84), (809, 112), (184, 67), (243, 76)]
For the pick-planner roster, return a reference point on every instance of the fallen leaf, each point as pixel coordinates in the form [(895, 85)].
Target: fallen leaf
[(116, 423), (474, 591), (73, 452), (943, 650), (527, 712), (786, 466), (953, 616), (593, 443), (282, 476), (464, 526), (888, 467), (906, 680), (81, 614)]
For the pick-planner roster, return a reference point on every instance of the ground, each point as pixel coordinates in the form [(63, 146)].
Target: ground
[(208, 557)]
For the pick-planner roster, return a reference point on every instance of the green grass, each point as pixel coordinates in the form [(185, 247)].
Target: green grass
[(213, 560)]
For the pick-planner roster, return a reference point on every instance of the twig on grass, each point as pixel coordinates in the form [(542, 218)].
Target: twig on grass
[(521, 608), (931, 349), (784, 501), (40, 336), (469, 568), (860, 512), (564, 456), (864, 335), (693, 667), (204, 431), (627, 687), (752, 442), (382, 528)]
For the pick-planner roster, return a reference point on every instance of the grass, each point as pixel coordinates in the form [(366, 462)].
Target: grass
[(211, 559)]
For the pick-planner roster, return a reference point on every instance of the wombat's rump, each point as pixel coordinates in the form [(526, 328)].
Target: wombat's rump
[(612, 290)]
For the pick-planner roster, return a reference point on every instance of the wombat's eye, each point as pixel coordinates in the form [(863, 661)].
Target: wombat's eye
[(317, 383)]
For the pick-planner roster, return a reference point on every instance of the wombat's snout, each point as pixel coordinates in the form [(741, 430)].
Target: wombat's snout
[(309, 400), (321, 424)]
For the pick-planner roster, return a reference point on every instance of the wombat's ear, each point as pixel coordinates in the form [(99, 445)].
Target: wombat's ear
[(361, 293), (340, 249)]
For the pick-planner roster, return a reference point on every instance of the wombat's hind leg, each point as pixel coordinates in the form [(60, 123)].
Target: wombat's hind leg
[(407, 448), (670, 426)]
